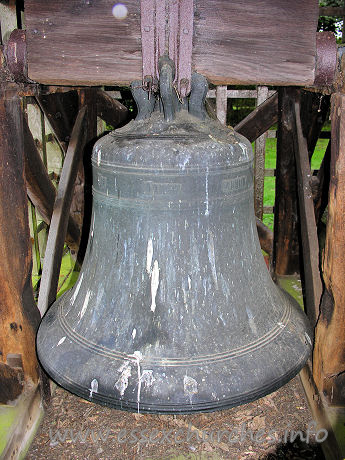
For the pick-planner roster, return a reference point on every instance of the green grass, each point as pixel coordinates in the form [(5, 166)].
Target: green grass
[(68, 276), (270, 163)]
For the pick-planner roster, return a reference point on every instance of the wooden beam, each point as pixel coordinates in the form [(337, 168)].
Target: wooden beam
[(338, 11), (310, 244), (221, 103), (109, 109), (320, 413), (61, 110), (329, 351), (259, 160), (82, 43), (41, 190), (322, 178), (265, 237), (314, 112), (59, 221), (260, 119), (11, 383), (19, 315), (286, 242), (22, 422), (83, 186)]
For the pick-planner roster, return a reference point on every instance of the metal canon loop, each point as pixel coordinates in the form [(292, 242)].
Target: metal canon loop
[(167, 98)]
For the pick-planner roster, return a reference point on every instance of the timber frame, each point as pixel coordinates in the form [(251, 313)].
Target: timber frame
[(301, 198)]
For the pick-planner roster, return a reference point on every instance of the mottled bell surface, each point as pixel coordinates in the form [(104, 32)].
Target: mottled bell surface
[(174, 309)]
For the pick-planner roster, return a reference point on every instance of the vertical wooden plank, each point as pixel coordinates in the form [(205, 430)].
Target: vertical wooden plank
[(83, 187), (314, 111), (59, 220), (221, 103), (19, 316), (310, 244), (285, 245), (329, 351), (259, 162)]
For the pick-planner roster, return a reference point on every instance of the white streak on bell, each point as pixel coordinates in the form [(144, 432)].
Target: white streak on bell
[(134, 333), (61, 341), (122, 382), (154, 284), (99, 156), (190, 386), (86, 301), (147, 377), (77, 287), (189, 283), (94, 387), (149, 254)]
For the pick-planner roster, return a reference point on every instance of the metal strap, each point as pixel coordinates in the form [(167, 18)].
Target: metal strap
[(167, 28), (185, 47)]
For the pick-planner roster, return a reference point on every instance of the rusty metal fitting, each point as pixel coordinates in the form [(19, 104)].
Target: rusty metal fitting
[(16, 56), (326, 59)]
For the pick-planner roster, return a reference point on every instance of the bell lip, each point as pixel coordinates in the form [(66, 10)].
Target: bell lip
[(145, 408)]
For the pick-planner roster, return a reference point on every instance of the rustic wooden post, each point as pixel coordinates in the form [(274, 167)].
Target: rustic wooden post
[(19, 316), (221, 103), (259, 162), (310, 244), (314, 111), (329, 354), (286, 245)]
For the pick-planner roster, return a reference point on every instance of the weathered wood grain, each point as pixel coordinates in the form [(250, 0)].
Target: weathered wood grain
[(109, 109), (19, 316), (314, 113), (41, 190), (322, 179), (286, 243), (310, 244), (259, 160), (59, 221), (260, 119), (11, 384), (329, 352), (61, 110), (261, 42), (265, 237)]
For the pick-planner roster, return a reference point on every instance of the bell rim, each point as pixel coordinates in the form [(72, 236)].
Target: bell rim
[(149, 408)]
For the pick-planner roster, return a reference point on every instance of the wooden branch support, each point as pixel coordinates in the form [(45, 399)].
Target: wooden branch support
[(259, 120), (41, 190), (310, 244), (329, 351), (286, 245), (109, 109), (59, 221), (265, 237)]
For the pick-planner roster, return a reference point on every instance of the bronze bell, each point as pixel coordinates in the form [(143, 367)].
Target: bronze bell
[(174, 309)]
